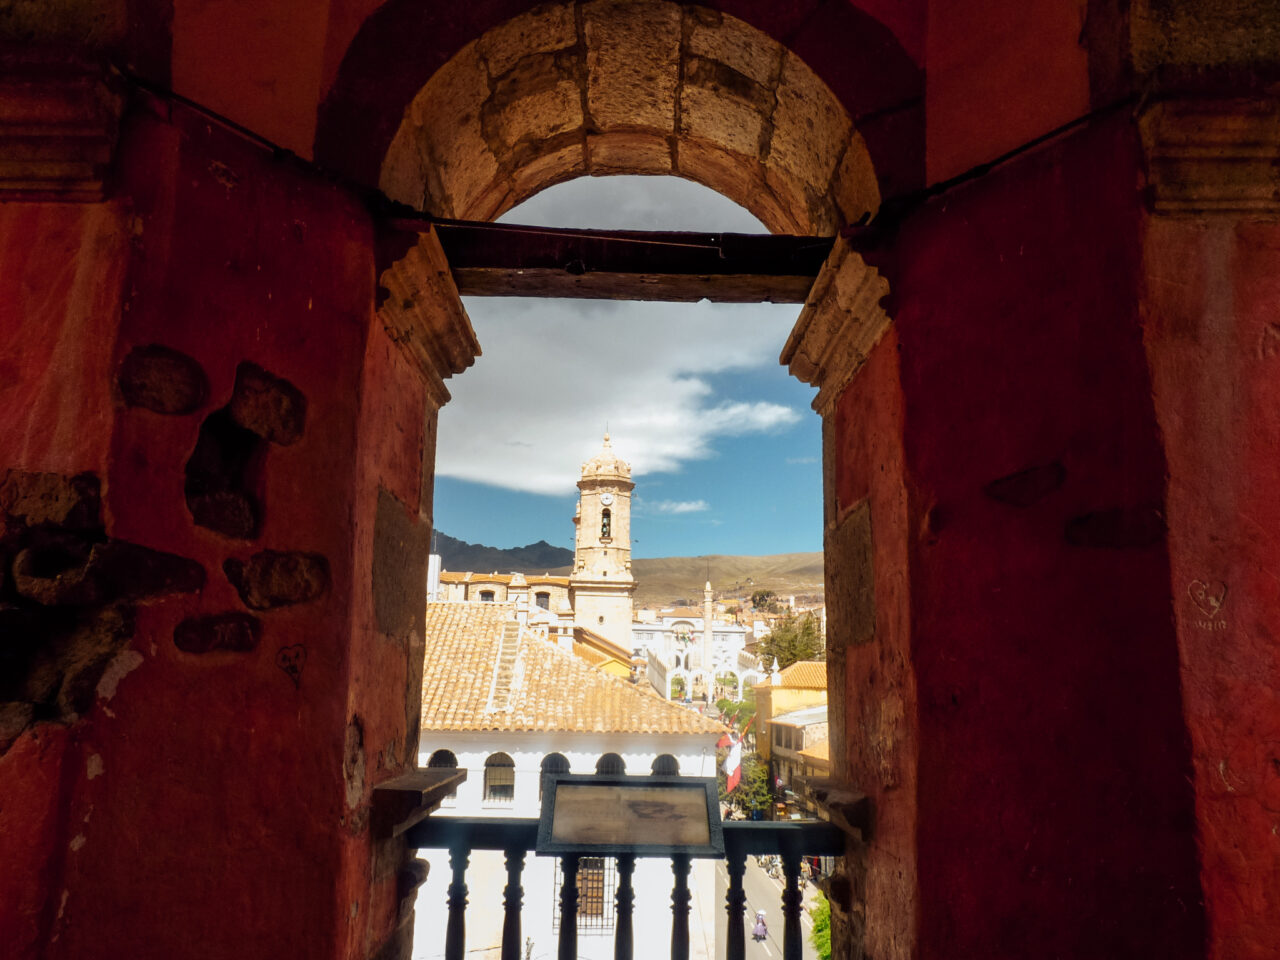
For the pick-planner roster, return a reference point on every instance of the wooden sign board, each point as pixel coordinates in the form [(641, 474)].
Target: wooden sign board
[(642, 816)]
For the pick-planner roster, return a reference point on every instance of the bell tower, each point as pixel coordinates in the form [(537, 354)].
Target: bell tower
[(601, 586)]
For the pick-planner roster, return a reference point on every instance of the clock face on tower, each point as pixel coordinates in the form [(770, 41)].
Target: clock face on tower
[(606, 499)]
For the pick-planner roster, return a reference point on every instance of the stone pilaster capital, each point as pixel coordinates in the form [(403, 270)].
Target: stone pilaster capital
[(1213, 156), (423, 314), (59, 121), (840, 322)]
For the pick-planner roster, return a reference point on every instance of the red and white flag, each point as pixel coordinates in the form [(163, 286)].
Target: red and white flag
[(733, 766)]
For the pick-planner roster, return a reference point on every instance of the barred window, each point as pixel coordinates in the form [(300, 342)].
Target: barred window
[(499, 779), (543, 600), (552, 763), (597, 881), (611, 764), (665, 765)]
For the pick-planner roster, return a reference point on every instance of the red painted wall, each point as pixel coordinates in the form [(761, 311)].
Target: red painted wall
[(207, 804), (1054, 811), (64, 266), (1001, 72), (1211, 299), (880, 722)]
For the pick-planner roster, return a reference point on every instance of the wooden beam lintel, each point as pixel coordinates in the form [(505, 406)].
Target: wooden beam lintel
[(601, 285), (508, 260)]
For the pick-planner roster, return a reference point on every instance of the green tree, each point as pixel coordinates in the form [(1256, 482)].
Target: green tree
[(752, 793), (765, 600), (792, 639), (820, 935)]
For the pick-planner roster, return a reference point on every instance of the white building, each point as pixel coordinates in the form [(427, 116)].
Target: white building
[(505, 701), (697, 649)]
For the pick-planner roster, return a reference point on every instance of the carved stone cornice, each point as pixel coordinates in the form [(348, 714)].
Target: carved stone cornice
[(1213, 156), (59, 119), (840, 323), (424, 315)]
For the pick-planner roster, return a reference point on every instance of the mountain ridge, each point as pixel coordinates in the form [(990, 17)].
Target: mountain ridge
[(659, 580)]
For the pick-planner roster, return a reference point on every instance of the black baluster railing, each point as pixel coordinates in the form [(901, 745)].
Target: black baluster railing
[(623, 942), (680, 899), (516, 836), (791, 900), (735, 900), (512, 902), (455, 937), (569, 908)]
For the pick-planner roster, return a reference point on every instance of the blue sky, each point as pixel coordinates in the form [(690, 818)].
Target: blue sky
[(724, 447)]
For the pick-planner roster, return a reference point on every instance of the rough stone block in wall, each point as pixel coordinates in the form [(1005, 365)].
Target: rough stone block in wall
[(405, 169), (274, 578), (633, 52), (533, 103), (50, 498), (802, 200), (722, 107), (64, 571), (268, 405), (542, 30), (162, 380), (713, 36), (856, 190), (628, 152), (447, 110), (810, 128), (233, 632), (561, 163), (86, 654)]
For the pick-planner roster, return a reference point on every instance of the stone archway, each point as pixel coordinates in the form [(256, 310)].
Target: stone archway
[(640, 87), (648, 87)]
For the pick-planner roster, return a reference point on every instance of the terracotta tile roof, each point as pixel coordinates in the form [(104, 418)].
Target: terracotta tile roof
[(605, 646), (481, 674), (810, 674), (470, 576)]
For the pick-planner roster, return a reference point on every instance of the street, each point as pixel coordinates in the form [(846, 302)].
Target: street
[(763, 893)]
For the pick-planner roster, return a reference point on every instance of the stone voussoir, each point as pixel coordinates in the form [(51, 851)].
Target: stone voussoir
[(542, 30), (810, 128), (633, 54)]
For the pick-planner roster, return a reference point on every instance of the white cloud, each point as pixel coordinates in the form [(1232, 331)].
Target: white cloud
[(679, 506), (554, 373)]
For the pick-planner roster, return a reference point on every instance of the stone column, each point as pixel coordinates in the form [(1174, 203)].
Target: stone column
[(1211, 260)]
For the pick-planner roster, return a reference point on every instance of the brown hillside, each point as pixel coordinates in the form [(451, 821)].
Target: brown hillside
[(665, 580)]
